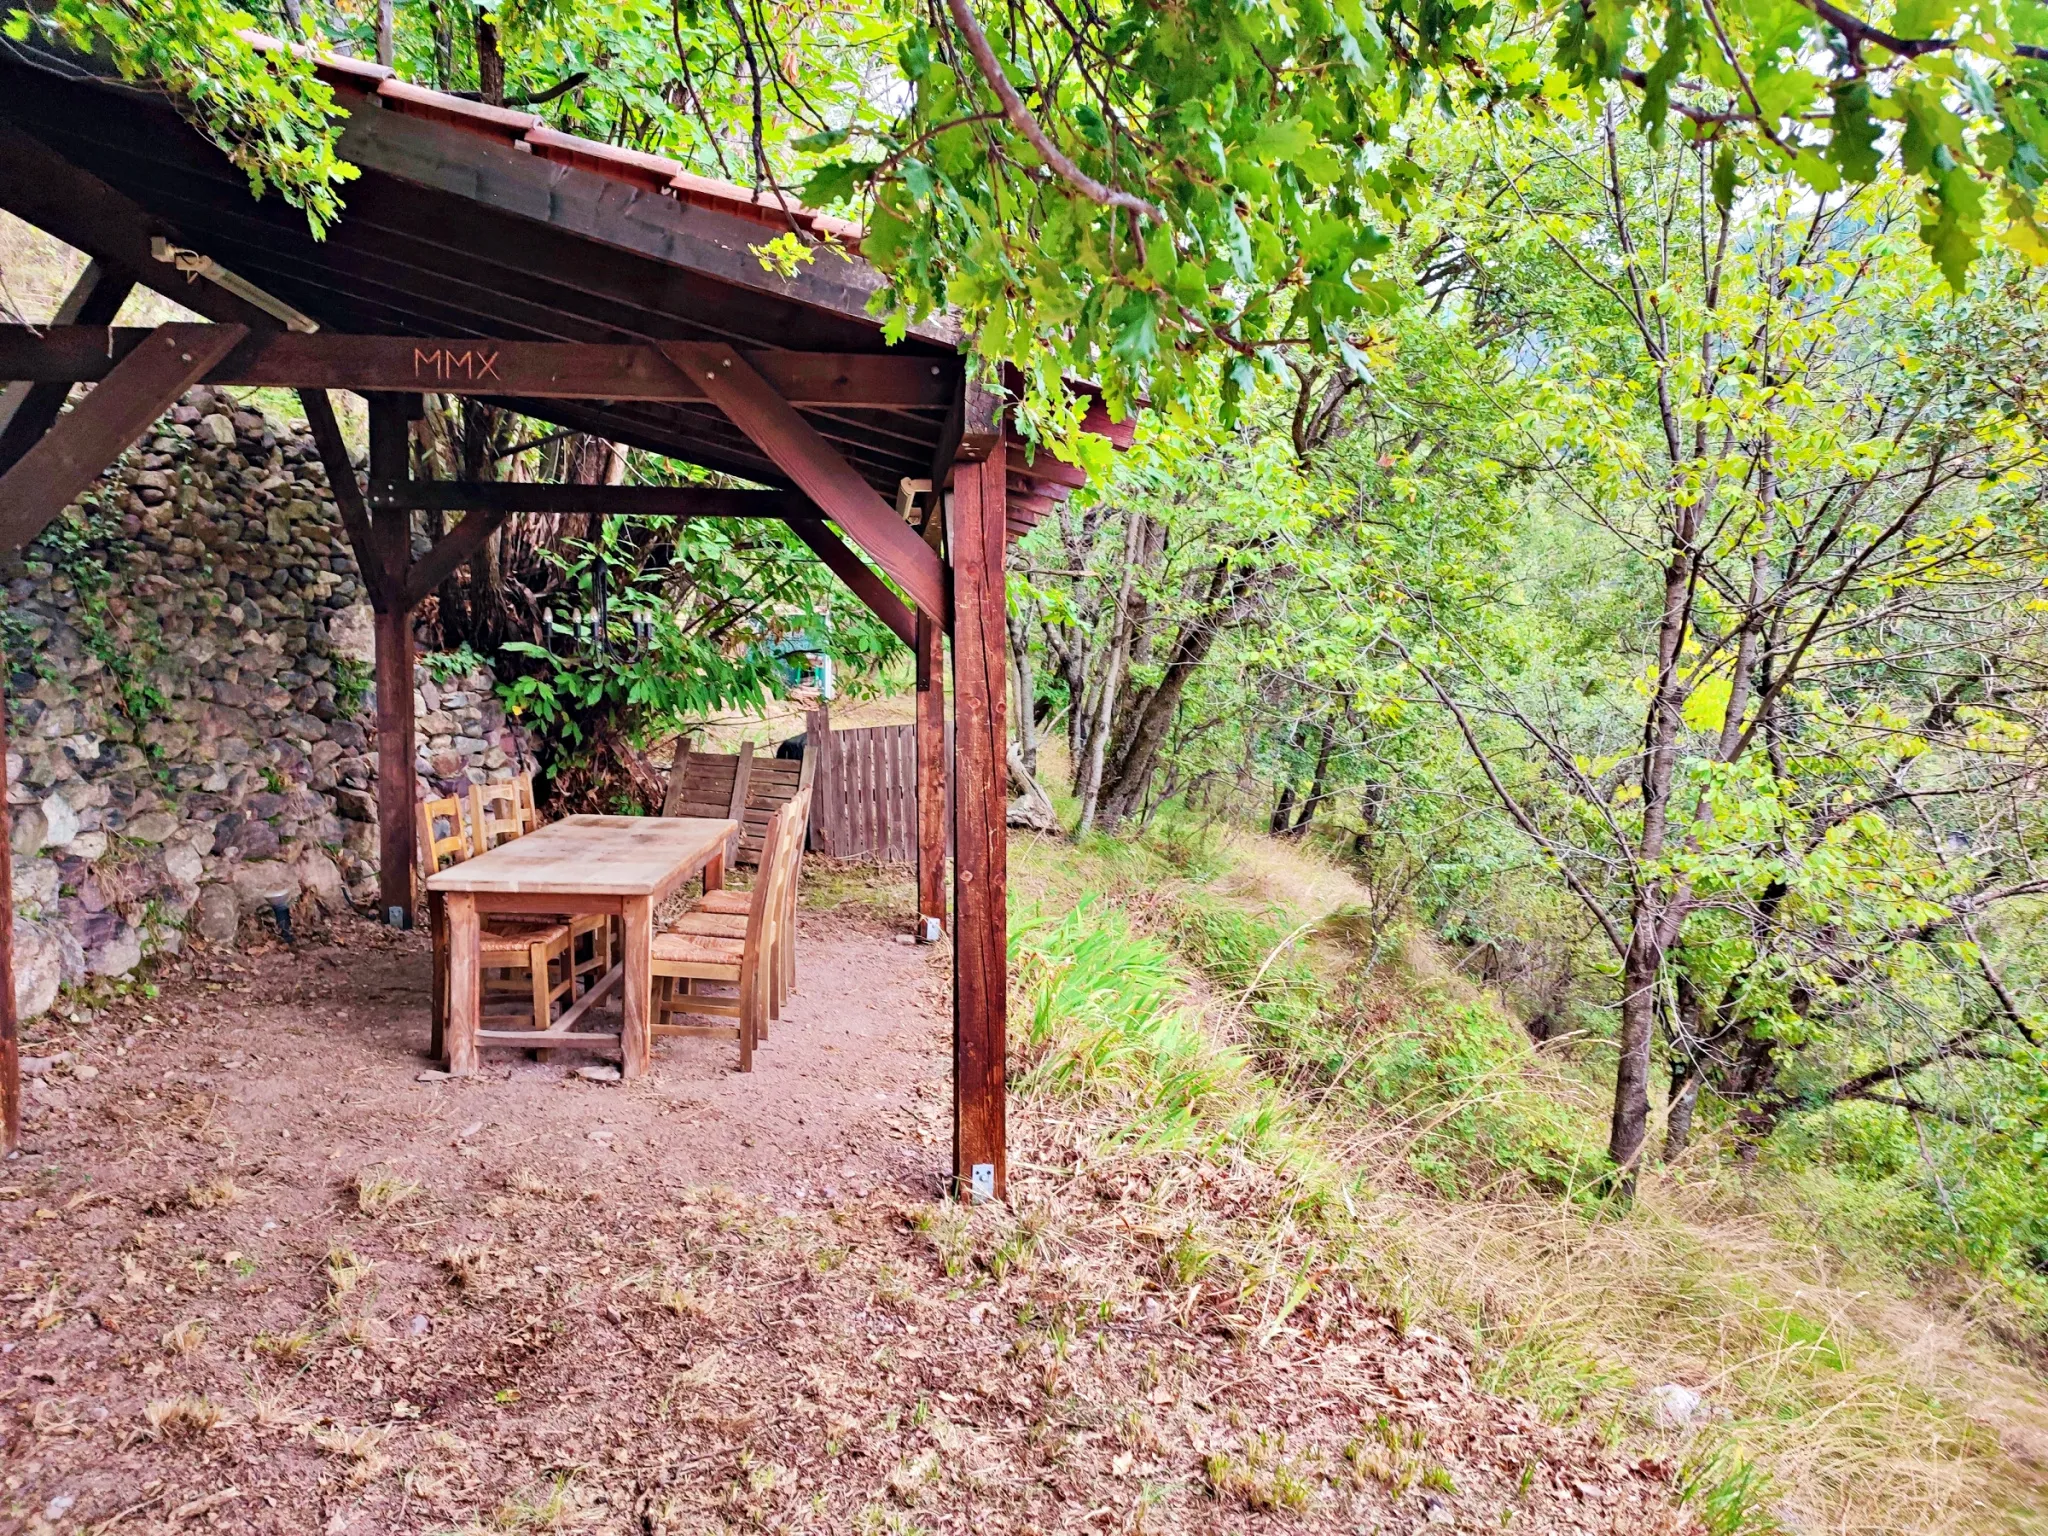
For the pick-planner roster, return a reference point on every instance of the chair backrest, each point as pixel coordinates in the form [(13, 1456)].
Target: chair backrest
[(741, 785), (452, 845), (796, 823), (529, 813), (761, 911), (494, 815)]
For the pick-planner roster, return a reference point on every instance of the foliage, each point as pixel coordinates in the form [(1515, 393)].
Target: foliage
[(648, 627), (129, 644), (1173, 200), (275, 119), (353, 681)]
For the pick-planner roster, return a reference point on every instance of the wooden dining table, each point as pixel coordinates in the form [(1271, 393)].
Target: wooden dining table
[(619, 866)]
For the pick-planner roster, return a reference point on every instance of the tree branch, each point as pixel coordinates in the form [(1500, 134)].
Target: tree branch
[(1020, 118)]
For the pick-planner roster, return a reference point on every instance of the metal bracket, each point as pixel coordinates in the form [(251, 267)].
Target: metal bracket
[(981, 1183), (397, 917)]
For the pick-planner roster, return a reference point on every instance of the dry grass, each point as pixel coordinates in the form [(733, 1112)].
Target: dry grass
[(464, 1264), (183, 1418), (1868, 1411), (359, 1447), (379, 1189), (214, 1194), (185, 1337), (345, 1270)]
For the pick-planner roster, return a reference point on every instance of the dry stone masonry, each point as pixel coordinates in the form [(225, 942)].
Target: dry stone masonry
[(191, 723)]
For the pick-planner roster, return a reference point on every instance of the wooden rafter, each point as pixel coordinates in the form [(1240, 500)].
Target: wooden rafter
[(601, 500)]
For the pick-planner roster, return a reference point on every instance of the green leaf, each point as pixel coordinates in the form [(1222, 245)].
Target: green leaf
[(1853, 139), (1724, 178), (834, 182), (1136, 322)]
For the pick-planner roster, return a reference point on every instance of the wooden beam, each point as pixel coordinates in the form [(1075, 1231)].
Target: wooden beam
[(975, 538), (391, 550), (862, 581), (450, 550), (603, 500), (28, 409), (78, 449), (930, 646), (753, 406), (539, 370), (348, 496)]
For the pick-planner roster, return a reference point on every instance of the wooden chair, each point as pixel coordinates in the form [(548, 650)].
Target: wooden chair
[(522, 788), (526, 967), (497, 814), (723, 913), (742, 963), (436, 854), (742, 786)]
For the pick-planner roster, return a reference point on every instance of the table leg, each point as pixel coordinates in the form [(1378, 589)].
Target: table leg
[(437, 926), (636, 1041), (465, 1000), (714, 871)]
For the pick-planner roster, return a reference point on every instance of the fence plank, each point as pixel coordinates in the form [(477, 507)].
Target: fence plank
[(865, 793)]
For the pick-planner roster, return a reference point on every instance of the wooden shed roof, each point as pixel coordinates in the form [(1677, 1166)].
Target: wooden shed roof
[(476, 221)]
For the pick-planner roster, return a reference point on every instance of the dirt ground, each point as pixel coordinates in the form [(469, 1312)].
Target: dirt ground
[(260, 1276)]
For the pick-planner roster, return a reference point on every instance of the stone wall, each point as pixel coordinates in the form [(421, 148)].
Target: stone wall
[(191, 721)]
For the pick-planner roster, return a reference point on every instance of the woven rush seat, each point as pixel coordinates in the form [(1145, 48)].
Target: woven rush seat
[(700, 948), (497, 940), (711, 925), (723, 902)]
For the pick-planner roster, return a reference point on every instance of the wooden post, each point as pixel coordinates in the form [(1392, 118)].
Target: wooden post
[(465, 1001), (391, 551), (10, 1033), (396, 846), (931, 779), (976, 533)]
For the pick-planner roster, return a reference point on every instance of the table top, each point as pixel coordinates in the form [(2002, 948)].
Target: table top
[(592, 856)]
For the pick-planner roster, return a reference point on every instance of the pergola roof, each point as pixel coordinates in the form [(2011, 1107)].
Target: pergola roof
[(475, 221)]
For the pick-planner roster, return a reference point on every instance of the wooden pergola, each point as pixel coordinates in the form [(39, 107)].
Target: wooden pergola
[(599, 289)]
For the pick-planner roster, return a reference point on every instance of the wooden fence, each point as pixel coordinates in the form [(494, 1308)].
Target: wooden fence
[(864, 797)]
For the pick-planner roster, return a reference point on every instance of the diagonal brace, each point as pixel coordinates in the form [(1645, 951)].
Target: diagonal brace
[(450, 550), (78, 449), (865, 584), (818, 469)]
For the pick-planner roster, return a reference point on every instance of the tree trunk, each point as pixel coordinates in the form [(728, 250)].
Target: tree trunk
[(1316, 788), (1641, 969), (1154, 718), (444, 45), (1685, 1098), (1027, 703), (385, 23), (1107, 682), (1283, 811), (490, 64)]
